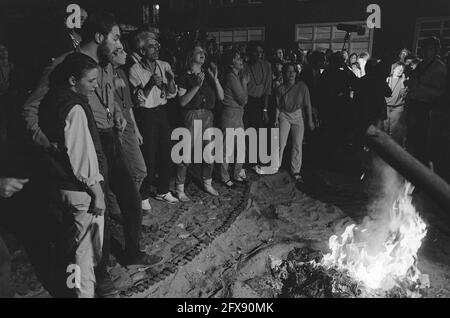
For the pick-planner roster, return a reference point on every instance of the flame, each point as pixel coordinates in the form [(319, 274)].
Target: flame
[(381, 255)]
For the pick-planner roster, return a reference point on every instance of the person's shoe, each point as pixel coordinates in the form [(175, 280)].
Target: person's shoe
[(243, 174), (229, 184), (106, 289), (298, 178), (143, 258), (207, 184), (241, 177), (181, 194), (265, 170), (168, 198), (146, 205)]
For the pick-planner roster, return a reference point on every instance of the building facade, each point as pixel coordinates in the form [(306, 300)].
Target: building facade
[(404, 23)]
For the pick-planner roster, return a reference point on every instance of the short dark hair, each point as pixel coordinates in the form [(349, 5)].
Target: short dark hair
[(253, 45), (336, 60), (228, 57), (74, 64), (432, 40), (286, 67), (315, 57), (100, 22), (372, 66)]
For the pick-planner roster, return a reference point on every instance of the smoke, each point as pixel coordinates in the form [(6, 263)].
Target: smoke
[(386, 185)]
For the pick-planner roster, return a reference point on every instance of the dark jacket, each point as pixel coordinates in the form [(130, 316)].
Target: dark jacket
[(370, 96), (53, 112)]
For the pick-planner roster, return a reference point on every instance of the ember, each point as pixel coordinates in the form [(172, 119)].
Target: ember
[(377, 259), (302, 276)]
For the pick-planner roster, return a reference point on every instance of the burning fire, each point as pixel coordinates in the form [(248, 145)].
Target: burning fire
[(382, 255)]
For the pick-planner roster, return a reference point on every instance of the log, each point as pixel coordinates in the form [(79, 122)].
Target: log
[(409, 167)]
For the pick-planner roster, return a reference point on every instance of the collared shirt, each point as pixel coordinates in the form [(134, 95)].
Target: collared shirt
[(123, 95), (80, 147), (103, 101), (260, 75), (294, 98), (139, 78)]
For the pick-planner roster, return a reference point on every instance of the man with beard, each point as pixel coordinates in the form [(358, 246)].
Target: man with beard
[(101, 36)]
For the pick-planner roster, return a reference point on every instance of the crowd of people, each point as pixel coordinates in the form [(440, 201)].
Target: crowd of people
[(94, 137)]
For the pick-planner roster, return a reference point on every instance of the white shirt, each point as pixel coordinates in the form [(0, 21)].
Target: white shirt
[(80, 147), (140, 76)]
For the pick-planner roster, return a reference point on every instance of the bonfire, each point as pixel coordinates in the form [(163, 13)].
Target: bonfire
[(375, 259)]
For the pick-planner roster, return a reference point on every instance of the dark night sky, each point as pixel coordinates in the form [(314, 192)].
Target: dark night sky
[(26, 25)]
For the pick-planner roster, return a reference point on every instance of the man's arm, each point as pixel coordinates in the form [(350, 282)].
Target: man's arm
[(30, 110)]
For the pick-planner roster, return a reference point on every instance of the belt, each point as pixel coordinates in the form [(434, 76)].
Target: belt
[(159, 107), (395, 106), (105, 130)]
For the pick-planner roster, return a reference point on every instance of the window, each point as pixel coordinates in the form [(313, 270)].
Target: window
[(426, 27), (238, 35), (227, 3), (323, 36)]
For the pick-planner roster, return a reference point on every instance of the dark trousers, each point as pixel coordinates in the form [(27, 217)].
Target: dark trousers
[(254, 118), (119, 180), (6, 286), (29, 217), (418, 131), (155, 129)]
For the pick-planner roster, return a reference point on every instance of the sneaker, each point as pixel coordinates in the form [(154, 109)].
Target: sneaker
[(262, 170), (168, 197), (242, 174), (229, 184), (146, 205), (241, 177), (298, 178), (182, 196), (209, 189), (143, 259)]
